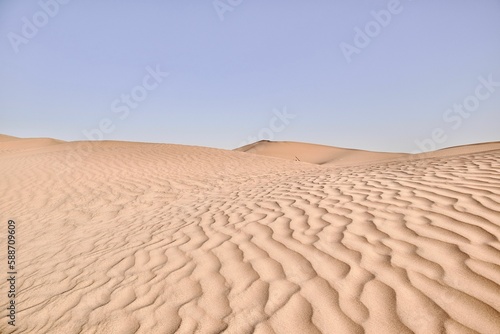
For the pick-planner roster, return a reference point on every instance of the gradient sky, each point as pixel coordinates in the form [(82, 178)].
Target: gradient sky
[(228, 77)]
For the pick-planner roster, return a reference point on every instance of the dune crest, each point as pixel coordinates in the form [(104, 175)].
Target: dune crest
[(119, 237), (317, 154), (336, 156), (13, 144)]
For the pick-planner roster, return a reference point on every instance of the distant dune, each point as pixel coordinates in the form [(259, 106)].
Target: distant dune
[(120, 237), (14, 144), (7, 138), (316, 154), (329, 155)]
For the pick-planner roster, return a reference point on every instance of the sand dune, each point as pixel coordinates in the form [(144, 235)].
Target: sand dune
[(14, 144), (335, 156), (317, 154), (118, 237), (8, 138)]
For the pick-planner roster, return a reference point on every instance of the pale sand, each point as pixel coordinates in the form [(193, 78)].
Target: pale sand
[(317, 154), (117, 237)]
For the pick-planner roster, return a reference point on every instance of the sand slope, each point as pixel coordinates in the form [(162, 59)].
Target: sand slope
[(336, 156), (317, 154), (14, 144), (8, 138), (118, 237)]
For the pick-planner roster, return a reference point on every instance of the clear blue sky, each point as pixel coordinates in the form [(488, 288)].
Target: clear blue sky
[(67, 67)]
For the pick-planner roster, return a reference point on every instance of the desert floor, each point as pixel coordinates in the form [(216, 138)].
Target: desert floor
[(119, 237)]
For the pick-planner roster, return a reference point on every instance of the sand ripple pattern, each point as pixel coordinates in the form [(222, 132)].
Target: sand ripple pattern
[(144, 238)]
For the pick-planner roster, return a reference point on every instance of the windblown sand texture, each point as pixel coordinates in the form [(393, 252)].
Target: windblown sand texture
[(118, 237)]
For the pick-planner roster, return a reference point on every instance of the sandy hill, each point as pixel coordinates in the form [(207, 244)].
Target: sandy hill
[(13, 144), (117, 237), (335, 156), (316, 154), (7, 138)]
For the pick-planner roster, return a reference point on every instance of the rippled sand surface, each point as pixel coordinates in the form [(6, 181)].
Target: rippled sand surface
[(117, 237)]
